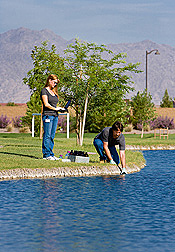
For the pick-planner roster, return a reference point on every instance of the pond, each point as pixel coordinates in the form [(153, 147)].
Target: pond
[(106, 214)]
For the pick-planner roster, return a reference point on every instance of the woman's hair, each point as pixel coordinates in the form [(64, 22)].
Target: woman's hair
[(117, 126), (52, 77)]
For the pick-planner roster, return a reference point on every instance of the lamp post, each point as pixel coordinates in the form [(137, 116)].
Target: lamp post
[(156, 53)]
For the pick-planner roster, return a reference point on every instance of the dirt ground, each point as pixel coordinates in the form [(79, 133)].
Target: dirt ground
[(20, 110), (13, 111), (169, 112)]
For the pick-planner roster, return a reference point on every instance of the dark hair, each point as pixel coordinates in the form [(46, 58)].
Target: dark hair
[(117, 126)]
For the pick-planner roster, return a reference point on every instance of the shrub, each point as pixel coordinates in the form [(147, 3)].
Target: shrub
[(62, 123), (24, 130), (146, 126), (11, 104), (9, 128), (128, 128), (4, 121), (162, 122), (17, 121)]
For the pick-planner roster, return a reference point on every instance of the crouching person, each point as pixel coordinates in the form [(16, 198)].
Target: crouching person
[(105, 143)]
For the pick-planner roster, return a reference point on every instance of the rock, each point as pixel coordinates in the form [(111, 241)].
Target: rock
[(63, 172)]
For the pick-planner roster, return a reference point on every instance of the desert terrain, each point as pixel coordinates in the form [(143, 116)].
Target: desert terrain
[(13, 111), (20, 110)]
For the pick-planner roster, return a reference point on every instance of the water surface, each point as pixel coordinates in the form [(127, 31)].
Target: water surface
[(105, 214)]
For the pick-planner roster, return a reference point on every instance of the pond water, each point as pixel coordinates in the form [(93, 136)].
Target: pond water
[(105, 214)]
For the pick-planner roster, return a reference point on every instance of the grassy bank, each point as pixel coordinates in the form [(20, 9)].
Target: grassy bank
[(149, 140), (23, 151)]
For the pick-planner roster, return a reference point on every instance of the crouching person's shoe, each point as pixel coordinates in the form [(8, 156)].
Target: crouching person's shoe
[(102, 161), (124, 171)]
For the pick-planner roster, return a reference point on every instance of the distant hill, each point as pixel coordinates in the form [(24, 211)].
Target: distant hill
[(15, 62)]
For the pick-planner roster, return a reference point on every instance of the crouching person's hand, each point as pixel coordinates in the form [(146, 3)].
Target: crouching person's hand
[(112, 162)]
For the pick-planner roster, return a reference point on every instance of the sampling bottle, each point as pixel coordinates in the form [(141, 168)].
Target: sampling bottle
[(67, 154)]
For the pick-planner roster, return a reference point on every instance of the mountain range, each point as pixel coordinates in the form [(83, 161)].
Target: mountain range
[(15, 61)]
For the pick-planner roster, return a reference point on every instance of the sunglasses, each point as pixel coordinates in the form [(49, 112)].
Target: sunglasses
[(55, 82)]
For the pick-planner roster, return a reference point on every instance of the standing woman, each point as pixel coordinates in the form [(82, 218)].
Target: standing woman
[(49, 97)]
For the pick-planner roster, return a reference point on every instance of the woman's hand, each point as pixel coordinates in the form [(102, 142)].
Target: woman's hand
[(60, 109)]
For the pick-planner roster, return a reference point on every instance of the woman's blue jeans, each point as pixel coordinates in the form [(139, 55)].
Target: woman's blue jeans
[(50, 125), (98, 143)]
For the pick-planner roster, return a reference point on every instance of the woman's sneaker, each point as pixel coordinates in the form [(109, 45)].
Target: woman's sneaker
[(56, 158), (50, 158)]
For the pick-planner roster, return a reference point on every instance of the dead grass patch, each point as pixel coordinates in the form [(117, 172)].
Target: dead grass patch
[(13, 111), (169, 112)]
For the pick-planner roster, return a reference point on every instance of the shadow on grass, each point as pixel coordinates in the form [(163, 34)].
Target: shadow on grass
[(30, 156), (21, 145), (15, 135), (20, 155)]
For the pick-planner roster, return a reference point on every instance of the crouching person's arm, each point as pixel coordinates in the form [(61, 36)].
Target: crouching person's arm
[(107, 151), (122, 158)]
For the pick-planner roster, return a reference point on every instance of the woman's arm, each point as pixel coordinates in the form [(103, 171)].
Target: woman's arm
[(46, 104)]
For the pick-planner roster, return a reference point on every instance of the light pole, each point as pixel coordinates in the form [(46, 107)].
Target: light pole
[(156, 53)]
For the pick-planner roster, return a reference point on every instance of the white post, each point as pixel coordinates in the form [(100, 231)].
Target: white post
[(33, 123), (84, 119), (67, 125)]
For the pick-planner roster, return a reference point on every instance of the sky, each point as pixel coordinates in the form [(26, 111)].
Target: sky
[(99, 21)]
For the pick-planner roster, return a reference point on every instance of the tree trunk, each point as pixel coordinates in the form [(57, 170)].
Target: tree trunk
[(84, 119), (142, 131), (77, 128), (80, 127)]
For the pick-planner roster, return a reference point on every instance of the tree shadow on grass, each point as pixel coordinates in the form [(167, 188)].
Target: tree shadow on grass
[(20, 155)]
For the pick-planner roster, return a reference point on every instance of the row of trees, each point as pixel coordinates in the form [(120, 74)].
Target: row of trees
[(167, 101), (94, 78), (96, 81)]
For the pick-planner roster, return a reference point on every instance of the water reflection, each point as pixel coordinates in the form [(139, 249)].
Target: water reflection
[(134, 212)]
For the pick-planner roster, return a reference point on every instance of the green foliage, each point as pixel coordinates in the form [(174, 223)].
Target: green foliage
[(45, 61), (166, 102), (11, 104), (111, 107), (33, 106), (88, 73), (96, 73), (94, 69), (142, 108)]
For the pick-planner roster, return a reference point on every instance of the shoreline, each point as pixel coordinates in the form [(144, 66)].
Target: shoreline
[(82, 171), (152, 147), (59, 172)]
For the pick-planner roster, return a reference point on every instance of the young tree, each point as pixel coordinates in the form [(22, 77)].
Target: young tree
[(111, 107), (89, 74), (142, 109), (45, 62), (166, 102), (98, 77)]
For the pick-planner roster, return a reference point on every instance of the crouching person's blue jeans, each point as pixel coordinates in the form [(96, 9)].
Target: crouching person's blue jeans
[(98, 143), (50, 126)]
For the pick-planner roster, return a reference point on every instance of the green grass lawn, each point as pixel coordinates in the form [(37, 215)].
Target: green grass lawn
[(148, 140), (23, 151)]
